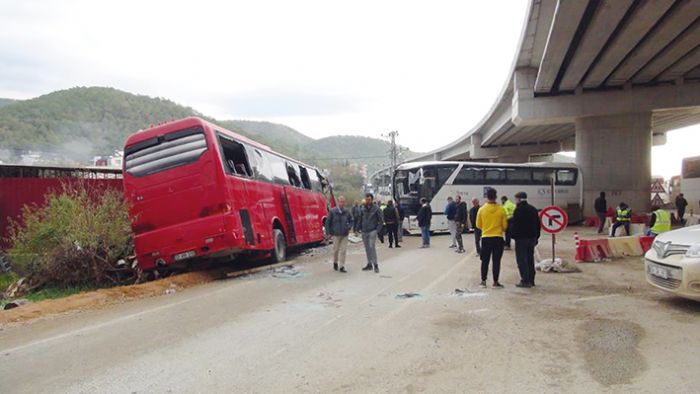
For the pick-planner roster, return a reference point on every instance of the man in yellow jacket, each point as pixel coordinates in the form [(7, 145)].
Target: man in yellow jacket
[(509, 207), (491, 220)]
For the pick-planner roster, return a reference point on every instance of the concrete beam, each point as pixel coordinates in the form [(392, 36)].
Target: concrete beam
[(682, 67), (605, 19), (670, 27), (529, 110), (679, 48), (566, 20), (515, 153), (643, 19)]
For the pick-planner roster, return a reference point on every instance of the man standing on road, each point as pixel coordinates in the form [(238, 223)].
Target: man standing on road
[(472, 219), (425, 214), (509, 207), (681, 203), (339, 224), (526, 233), (601, 207), (491, 220), (460, 222), (391, 223), (370, 224), (450, 209)]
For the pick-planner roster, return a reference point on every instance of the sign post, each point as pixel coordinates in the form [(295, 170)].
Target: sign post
[(553, 220)]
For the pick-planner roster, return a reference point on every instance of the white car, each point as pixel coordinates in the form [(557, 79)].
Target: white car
[(673, 262)]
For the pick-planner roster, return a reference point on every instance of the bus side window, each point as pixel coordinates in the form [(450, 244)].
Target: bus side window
[(259, 164), (277, 168), (566, 177), (293, 175), (235, 157), (315, 182), (305, 181), (469, 176), (542, 176), (518, 176)]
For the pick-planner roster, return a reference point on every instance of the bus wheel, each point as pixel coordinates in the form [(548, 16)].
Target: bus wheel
[(279, 253)]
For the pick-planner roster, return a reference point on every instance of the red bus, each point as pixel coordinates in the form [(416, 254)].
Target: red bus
[(196, 189)]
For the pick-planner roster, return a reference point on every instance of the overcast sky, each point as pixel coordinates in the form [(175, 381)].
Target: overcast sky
[(430, 70)]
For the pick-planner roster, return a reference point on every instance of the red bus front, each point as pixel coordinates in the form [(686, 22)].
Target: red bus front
[(198, 190)]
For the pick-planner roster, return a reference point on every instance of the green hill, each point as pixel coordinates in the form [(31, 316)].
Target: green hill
[(6, 101), (356, 149), (97, 120)]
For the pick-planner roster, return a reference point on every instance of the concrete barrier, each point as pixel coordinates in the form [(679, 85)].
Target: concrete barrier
[(625, 246)]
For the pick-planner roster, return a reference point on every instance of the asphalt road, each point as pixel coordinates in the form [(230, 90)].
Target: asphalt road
[(315, 330)]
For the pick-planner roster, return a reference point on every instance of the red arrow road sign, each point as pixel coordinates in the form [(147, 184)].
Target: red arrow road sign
[(553, 219)]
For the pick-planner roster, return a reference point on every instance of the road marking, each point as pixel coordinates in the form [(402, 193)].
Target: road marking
[(595, 297)]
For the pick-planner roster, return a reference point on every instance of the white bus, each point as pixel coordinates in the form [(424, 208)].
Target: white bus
[(690, 183), (437, 180)]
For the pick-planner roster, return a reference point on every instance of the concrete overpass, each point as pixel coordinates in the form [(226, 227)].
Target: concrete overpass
[(606, 78)]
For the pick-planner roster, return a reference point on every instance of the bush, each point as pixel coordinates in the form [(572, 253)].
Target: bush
[(76, 237)]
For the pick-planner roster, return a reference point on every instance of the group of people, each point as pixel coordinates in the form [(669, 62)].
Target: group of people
[(368, 218), (659, 221), (493, 226)]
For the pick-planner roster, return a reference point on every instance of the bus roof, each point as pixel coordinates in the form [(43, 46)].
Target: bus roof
[(176, 125), (421, 164)]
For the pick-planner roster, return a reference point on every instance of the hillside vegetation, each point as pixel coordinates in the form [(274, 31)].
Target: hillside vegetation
[(85, 121)]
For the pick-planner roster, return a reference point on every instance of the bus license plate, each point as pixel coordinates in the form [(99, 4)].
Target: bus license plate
[(184, 255), (658, 271)]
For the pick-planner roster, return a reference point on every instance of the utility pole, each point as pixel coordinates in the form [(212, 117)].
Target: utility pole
[(393, 152)]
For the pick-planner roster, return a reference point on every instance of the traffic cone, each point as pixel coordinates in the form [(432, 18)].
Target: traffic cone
[(580, 253)]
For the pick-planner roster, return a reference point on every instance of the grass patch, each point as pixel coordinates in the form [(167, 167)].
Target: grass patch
[(54, 292), (49, 293), (6, 279)]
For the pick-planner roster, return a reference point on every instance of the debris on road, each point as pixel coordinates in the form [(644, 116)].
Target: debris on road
[(404, 296), (558, 265), (287, 272), (464, 293), (354, 240), (17, 303)]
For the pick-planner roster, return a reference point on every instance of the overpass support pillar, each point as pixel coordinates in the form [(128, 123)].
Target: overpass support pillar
[(614, 154)]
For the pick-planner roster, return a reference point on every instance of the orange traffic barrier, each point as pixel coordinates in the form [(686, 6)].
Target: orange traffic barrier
[(594, 250)]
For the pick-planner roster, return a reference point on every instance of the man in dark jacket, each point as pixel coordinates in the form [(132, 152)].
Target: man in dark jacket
[(370, 224), (425, 214), (391, 223), (460, 222), (450, 209), (681, 203), (338, 224), (601, 207), (526, 233), (472, 220)]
